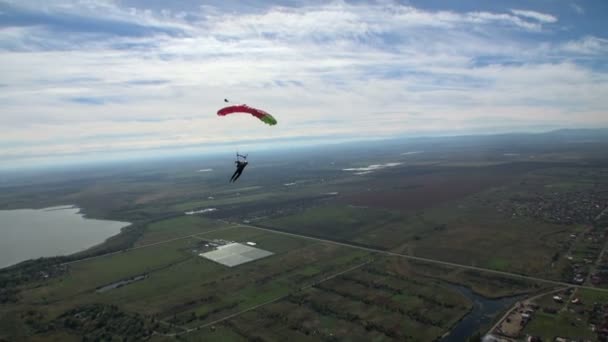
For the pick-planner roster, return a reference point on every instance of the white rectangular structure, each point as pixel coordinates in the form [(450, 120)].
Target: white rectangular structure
[(234, 254)]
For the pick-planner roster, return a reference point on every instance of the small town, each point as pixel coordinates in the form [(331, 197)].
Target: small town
[(560, 207), (591, 317), (584, 262)]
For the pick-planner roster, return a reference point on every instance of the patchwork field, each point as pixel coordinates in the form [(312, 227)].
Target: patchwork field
[(366, 304), (327, 290), (519, 208)]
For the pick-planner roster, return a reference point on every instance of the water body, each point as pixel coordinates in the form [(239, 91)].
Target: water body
[(121, 283), (484, 311), (203, 211), (33, 233), (369, 169)]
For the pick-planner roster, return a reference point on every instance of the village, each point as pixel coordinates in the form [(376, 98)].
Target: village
[(559, 207), (580, 314), (581, 318), (583, 258)]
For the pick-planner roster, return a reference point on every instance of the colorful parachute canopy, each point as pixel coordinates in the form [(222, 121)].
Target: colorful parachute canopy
[(258, 113)]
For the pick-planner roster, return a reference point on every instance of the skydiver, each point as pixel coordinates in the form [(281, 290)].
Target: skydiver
[(240, 166)]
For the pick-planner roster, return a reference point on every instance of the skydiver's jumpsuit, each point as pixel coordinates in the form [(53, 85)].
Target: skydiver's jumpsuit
[(240, 166)]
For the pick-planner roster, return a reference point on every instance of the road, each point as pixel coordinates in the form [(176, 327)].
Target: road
[(426, 260), (146, 246), (189, 330), (368, 249), (343, 244), (382, 252), (598, 262), (516, 305)]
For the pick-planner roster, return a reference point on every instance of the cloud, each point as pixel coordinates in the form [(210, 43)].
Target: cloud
[(87, 100), (144, 82), (589, 45), (541, 17), (92, 17), (577, 8), (328, 69)]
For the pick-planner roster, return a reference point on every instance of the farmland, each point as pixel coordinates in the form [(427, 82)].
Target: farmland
[(371, 255), (185, 291)]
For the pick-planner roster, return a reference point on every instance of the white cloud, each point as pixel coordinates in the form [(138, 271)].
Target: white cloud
[(327, 70), (541, 17), (577, 8), (589, 45)]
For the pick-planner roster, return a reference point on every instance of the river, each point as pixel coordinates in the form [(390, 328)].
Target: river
[(483, 313), (33, 233)]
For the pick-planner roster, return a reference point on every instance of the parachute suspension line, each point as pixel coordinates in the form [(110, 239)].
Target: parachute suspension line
[(240, 156), (228, 101)]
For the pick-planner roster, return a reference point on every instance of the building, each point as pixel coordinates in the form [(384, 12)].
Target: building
[(234, 254)]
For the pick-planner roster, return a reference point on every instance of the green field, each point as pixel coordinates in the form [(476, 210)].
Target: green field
[(343, 307), (465, 234), (512, 207), (185, 290), (567, 320), (564, 324)]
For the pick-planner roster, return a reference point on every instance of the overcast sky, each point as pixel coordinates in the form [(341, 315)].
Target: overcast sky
[(90, 77)]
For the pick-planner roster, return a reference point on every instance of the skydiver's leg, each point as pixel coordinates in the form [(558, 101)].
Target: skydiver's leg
[(238, 175), (234, 175)]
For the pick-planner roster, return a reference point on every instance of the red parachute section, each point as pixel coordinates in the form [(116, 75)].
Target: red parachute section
[(258, 113)]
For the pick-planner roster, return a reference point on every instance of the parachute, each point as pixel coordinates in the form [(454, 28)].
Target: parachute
[(242, 108)]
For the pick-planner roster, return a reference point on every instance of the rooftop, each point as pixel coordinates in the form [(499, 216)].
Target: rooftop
[(234, 254)]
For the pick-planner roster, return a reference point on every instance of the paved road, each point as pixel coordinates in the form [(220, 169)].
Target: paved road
[(427, 260), (369, 249)]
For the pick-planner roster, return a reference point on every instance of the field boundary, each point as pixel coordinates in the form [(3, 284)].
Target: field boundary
[(425, 260), (149, 245), (303, 288), (232, 225)]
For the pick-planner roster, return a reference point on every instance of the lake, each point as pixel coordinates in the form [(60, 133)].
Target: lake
[(33, 233)]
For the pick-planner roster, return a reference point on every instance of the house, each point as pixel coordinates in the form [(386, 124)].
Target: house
[(578, 279)]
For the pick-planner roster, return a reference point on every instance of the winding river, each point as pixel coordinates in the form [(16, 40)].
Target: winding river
[(484, 311)]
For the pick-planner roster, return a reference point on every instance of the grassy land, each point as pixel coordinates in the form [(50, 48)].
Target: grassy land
[(334, 222), (370, 303), (563, 324), (177, 227), (483, 239), (452, 203), (186, 290), (180, 284), (568, 320)]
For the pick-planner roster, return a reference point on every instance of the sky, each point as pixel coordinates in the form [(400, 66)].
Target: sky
[(88, 79)]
